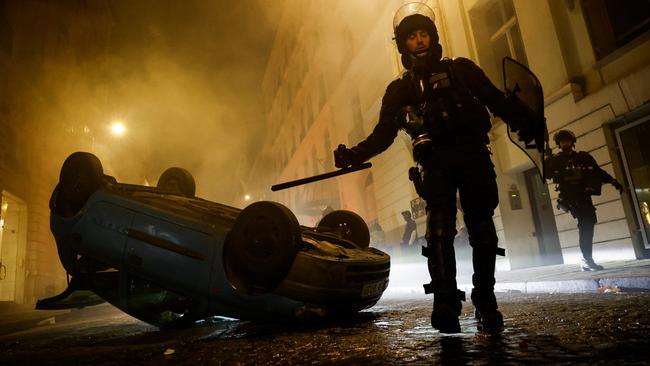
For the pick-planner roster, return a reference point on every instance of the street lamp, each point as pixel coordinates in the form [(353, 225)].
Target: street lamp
[(117, 128), (247, 197)]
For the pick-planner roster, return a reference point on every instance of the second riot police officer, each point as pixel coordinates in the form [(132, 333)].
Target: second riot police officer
[(578, 177), (441, 104)]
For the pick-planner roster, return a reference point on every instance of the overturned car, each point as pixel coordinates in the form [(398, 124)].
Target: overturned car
[(169, 258)]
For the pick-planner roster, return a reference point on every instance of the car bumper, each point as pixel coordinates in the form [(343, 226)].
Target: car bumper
[(339, 283)]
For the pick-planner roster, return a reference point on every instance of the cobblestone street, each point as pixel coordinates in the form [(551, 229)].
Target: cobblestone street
[(594, 328)]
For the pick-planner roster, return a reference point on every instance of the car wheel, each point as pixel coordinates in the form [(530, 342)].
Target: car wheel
[(177, 180), (348, 225), (260, 248), (81, 175)]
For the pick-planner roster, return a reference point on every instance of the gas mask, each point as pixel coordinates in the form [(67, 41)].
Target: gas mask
[(410, 120)]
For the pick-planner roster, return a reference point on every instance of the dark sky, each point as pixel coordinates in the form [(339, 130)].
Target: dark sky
[(185, 77)]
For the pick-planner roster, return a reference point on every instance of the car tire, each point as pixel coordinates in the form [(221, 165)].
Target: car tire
[(260, 248), (177, 180), (81, 176), (348, 225)]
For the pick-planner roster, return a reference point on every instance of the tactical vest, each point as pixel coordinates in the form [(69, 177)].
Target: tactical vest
[(449, 111), (574, 175)]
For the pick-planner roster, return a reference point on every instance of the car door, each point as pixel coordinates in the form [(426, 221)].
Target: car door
[(101, 233), (169, 253)]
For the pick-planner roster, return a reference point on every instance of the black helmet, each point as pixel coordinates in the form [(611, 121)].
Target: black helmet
[(409, 18), (564, 135)]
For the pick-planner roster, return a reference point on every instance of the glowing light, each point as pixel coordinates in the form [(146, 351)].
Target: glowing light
[(118, 128), (247, 197), (5, 206)]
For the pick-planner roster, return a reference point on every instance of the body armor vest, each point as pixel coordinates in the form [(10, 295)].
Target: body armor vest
[(444, 111), (575, 176)]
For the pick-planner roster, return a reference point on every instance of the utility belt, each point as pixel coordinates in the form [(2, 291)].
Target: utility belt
[(424, 147), (445, 141), (425, 144)]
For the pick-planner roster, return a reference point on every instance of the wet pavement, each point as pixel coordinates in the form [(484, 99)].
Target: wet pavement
[(586, 328)]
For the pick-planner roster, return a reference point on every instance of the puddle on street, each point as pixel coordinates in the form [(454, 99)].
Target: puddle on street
[(388, 323)]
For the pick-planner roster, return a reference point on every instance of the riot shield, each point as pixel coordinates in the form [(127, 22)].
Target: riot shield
[(520, 83)]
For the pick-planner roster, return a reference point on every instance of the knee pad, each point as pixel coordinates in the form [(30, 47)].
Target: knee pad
[(483, 236), (440, 231), (440, 227), (440, 234), (481, 230)]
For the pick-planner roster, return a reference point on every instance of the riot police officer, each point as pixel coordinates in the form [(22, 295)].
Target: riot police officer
[(441, 104), (578, 177)]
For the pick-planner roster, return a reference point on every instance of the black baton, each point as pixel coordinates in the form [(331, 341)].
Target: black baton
[(335, 173)]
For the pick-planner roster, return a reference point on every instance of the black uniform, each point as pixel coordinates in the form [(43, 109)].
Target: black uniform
[(578, 177), (409, 228), (450, 98), (441, 104)]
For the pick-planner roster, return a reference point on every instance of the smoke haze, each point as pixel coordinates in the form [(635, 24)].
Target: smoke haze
[(183, 77)]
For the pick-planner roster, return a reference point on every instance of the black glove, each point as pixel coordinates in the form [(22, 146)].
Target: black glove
[(618, 186), (523, 128), (519, 118), (515, 126), (526, 138), (526, 133), (344, 157)]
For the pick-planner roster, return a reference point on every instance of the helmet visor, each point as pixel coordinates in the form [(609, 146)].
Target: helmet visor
[(411, 9)]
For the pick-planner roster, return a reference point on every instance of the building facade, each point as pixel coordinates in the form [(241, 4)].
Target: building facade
[(49, 52), (332, 60)]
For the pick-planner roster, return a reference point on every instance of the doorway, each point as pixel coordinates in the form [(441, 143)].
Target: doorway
[(542, 210), (633, 139), (13, 238)]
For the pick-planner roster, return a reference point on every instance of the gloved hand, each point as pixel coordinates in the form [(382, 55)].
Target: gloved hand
[(618, 186), (526, 131), (515, 126), (344, 157), (526, 136), (523, 130), (519, 118)]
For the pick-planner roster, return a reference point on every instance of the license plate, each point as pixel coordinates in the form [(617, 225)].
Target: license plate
[(372, 289)]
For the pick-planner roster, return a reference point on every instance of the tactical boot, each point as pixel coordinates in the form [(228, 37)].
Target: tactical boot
[(489, 321), (489, 318), (444, 317), (589, 265)]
